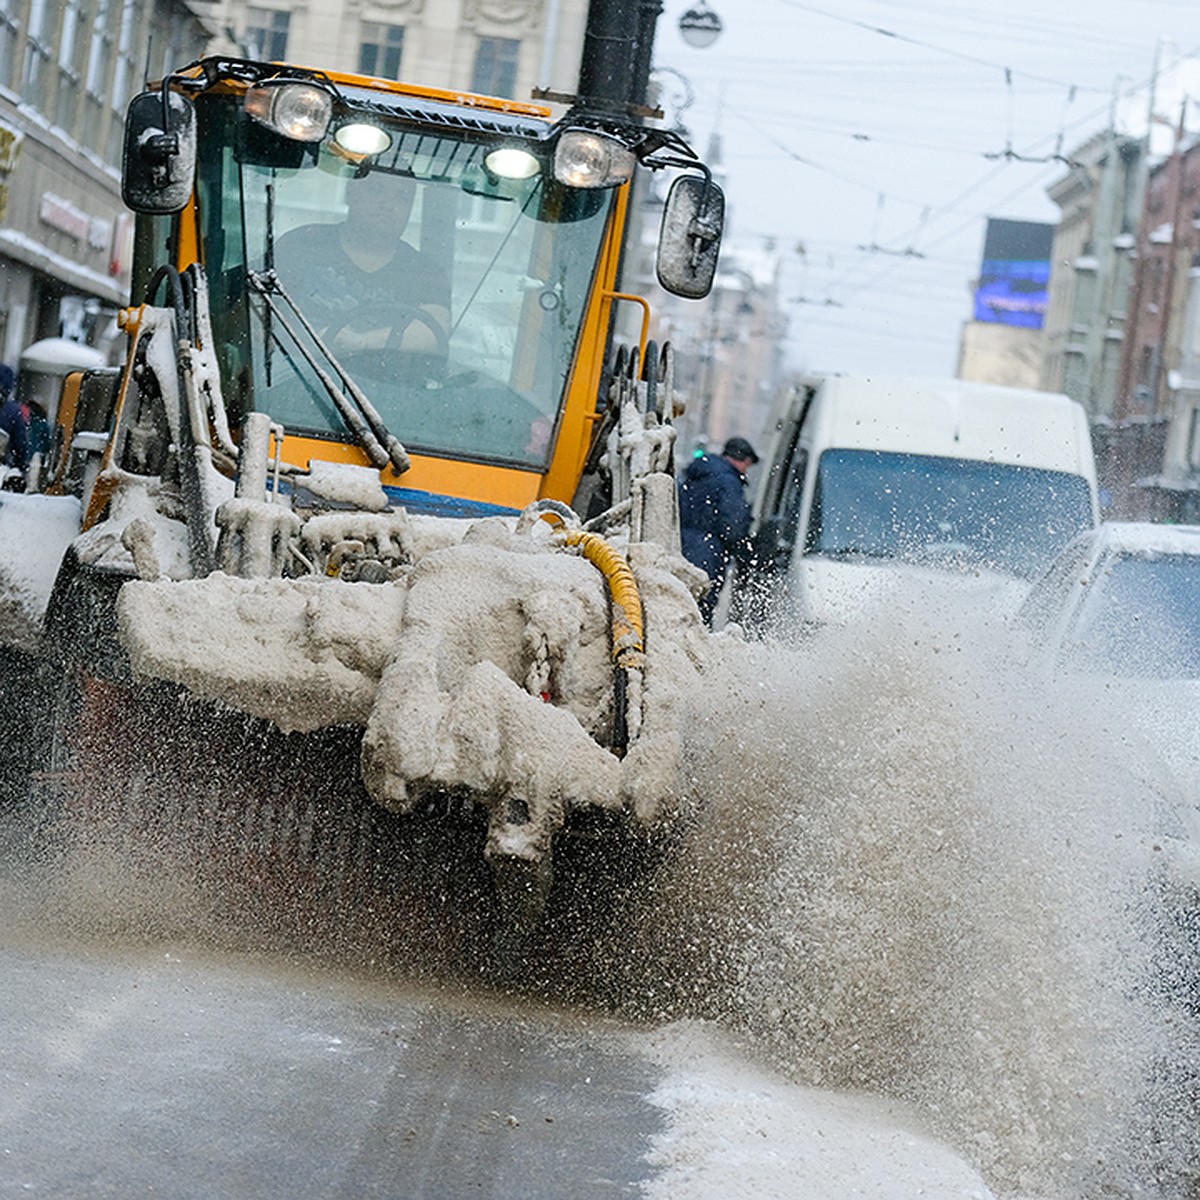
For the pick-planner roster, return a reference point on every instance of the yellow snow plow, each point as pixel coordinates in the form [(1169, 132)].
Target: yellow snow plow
[(373, 464)]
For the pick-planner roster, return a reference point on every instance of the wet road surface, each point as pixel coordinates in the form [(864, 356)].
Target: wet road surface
[(166, 1073), (138, 1059)]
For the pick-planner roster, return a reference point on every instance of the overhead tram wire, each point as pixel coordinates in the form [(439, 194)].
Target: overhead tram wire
[(885, 271), (1015, 28), (928, 211), (952, 205), (804, 161), (918, 42), (1102, 111), (871, 283), (1008, 154)]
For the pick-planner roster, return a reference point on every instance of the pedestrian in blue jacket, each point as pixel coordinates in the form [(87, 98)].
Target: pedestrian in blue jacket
[(714, 514)]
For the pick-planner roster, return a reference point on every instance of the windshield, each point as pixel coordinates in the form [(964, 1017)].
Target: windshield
[(451, 298), (956, 513), (1141, 619)]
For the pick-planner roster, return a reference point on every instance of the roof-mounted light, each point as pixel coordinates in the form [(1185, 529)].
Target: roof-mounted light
[(361, 139), (300, 111), (587, 159), (512, 162)]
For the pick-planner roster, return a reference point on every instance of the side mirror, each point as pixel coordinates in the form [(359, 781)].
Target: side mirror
[(159, 163), (690, 238)]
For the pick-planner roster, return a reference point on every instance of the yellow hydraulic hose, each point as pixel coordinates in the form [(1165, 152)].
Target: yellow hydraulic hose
[(627, 627)]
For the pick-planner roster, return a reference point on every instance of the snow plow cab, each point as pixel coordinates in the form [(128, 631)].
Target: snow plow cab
[(372, 463)]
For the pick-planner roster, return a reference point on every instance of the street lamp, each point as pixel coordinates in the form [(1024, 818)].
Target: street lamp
[(700, 26), (676, 102)]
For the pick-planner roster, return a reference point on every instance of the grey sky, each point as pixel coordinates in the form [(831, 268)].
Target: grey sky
[(838, 137)]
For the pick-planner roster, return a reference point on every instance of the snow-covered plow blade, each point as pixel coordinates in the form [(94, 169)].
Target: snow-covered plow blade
[(508, 665)]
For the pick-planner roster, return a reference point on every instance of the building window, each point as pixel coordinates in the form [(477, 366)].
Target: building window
[(495, 71), (36, 76), (380, 49), (1158, 273), (99, 68), (9, 29), (267, 34), (1145, 371), (72, 60), (124, 77), (98, 54)]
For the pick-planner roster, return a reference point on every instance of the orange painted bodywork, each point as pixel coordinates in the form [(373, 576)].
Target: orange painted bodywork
[(507, 487)]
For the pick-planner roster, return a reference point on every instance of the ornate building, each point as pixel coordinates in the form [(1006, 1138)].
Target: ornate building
[(67, 71), (497, 47)]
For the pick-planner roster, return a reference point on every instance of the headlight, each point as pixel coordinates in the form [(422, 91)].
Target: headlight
[(585, 159), (300, 111), (362, 140), (512, 162)]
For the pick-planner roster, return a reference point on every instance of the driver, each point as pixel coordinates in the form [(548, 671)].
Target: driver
[(359, 283)]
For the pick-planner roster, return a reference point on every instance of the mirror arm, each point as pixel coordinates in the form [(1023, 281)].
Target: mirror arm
[(161, 147), (702, 230)]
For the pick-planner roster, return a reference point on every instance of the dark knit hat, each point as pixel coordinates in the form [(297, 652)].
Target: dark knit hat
[(739, 448)]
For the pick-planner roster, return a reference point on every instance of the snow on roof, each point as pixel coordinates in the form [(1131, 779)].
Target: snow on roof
[(58, 355)]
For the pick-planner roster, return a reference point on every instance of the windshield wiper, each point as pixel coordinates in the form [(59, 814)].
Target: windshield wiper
[(845, 552), (361, 417), (499, 250)]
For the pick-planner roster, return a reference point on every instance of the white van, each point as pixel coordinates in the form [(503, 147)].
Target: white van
[(862, 476)]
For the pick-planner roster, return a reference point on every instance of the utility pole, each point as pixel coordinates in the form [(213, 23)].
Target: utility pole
[(1176, 249), (618, 49), (1123, 401)]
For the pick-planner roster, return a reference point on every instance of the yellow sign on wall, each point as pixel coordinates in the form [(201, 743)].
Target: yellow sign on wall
[(10, 144)]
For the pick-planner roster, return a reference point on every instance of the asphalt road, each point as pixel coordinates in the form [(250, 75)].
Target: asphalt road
[(168, 1072), (145, 1054)]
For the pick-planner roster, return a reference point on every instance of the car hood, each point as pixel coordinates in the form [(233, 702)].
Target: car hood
[(841, 590)]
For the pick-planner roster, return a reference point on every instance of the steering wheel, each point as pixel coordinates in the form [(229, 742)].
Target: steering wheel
[(396, 317)]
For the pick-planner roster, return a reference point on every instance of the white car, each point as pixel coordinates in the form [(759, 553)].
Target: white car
[(1117, 619), (1124, 600)]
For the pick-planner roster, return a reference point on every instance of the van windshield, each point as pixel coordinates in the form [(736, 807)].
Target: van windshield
[(950, 512)]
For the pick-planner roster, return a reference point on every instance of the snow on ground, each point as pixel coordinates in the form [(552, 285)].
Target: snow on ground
[(916, 876), (739, 1132)]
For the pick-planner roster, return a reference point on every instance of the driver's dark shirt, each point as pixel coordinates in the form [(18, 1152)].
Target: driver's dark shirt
[(329, 288)]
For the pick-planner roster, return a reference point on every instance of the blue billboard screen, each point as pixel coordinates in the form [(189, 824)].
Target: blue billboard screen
[(1014, 279)]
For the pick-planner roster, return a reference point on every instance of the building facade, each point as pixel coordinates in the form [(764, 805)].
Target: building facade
[(67, 72), (1000, 354), (496, 47), (1153, 452), (1100, 199), (1118, 289)]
